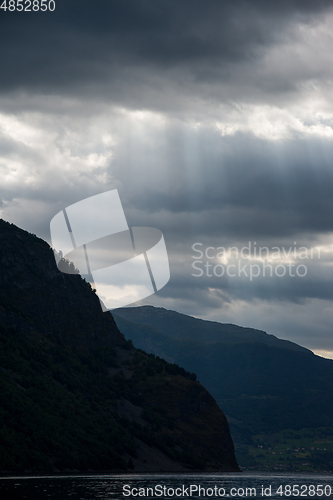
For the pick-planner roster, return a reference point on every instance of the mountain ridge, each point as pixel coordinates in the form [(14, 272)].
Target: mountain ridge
[(228, 332)]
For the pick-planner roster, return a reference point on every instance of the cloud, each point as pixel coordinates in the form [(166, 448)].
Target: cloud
[(213, 120), (127, 52)]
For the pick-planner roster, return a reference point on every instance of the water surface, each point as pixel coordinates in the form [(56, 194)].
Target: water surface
[(165, 486)]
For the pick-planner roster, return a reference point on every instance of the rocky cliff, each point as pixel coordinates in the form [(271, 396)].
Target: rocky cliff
[(76, 395)]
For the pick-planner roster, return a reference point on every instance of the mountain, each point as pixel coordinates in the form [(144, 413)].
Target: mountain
[(276, 394), (75, 395), (180, 326)]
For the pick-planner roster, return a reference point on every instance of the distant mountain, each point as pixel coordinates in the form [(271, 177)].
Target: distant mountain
[(265, 385), (180, 326), (75, 395)]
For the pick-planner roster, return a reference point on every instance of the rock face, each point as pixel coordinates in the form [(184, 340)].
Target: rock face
[(76, 395)]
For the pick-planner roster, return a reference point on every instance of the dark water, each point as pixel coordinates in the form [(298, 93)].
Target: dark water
[(167, 486)]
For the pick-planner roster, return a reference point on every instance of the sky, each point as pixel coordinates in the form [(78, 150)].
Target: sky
[(214, 121)]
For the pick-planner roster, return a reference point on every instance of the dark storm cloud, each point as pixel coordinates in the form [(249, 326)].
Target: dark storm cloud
[(110, 42)]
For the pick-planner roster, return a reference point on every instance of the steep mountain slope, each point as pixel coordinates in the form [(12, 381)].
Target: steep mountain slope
[(264, 384), (76, 395)]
